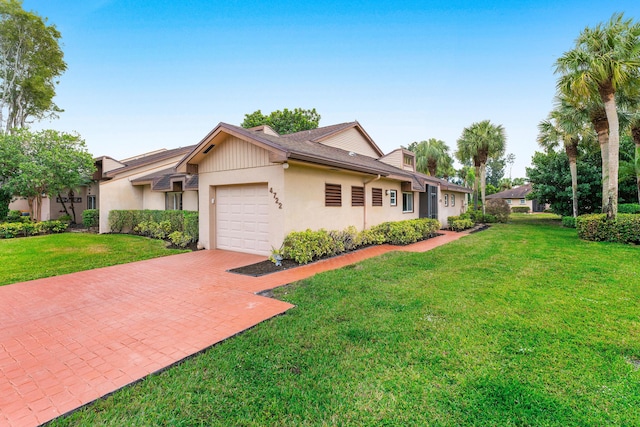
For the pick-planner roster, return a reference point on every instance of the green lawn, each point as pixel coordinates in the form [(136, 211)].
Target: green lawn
[(521, 324), (44, 256)]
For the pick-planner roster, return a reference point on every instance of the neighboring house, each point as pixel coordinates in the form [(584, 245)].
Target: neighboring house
[(255, 186), (148, 181), (84, 197), (517, 196)]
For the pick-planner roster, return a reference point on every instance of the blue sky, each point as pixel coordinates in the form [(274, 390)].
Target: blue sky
[(144, 75)]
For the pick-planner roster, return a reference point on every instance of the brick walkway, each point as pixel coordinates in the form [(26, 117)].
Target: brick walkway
[(68, 340)]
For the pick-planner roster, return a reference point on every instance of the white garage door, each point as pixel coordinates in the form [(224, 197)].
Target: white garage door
[(242, 219)]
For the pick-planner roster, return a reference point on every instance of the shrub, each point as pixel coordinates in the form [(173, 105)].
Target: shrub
[(569, 222), (9, 230), (304, 246), (520, 209), (65, 218), (124, 221), (426, 227), (15, 216), (499, 208), (460, 224), (155, 230), (402, 233), (370, 237), (180, 239), (596, 227), (629, 208), (91, 218)]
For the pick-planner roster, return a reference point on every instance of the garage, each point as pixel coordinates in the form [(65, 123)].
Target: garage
[(242, 218)]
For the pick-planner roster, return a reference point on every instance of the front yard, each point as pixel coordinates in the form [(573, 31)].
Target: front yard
[(522, 324), (54, 254)]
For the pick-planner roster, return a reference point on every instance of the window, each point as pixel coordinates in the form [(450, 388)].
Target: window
[(357, 196), (332, 195), (173, 201), (376, 197), (91, 202), (407, 202), (393, 198), (508, 201), (408, 160), (453, 200), (523, 202), (446, 200)]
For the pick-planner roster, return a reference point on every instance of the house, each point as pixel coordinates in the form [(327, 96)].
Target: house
[(255, 186), (83, 197), (517, 196), (147, 181)]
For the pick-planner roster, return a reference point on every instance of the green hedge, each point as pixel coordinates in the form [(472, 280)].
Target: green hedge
[(90, 218), (596, 227), (629, 208), (520, 209), (569, 222), (305, 246), (125, 221), (459, 223), (9, 230)]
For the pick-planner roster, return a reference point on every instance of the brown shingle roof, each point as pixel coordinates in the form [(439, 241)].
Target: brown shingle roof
[(150, 159), (512, 193)]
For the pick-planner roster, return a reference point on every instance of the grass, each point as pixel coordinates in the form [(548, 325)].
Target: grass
[(522, 324), (51, 255)]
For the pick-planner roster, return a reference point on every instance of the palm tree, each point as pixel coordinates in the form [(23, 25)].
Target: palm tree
[(606, 59), (431, 156), (565, 125), (478, 143)]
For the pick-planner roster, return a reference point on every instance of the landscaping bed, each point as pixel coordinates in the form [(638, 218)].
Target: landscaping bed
[(267, 267)]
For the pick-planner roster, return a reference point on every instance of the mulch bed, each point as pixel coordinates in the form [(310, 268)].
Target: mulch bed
[(267, 267)]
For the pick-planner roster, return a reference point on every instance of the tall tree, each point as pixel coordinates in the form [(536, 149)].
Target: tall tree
[(432, 157), (31, 61), (284, 121), (606, 58), (565, 126), (49, 164), (478, 143)]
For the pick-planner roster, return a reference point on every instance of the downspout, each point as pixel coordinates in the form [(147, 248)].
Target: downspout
[(364, 212)]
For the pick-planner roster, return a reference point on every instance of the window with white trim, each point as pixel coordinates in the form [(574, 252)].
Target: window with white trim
[(508, 201), (91, 202), (446, 200), (393, 198), (523, 201), (407, 202), (453, 200)]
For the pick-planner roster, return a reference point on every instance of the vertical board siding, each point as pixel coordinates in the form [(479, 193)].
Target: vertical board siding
[(234, 153), (351, 140)]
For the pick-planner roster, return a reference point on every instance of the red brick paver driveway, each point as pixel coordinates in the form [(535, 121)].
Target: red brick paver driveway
[(68, 340)]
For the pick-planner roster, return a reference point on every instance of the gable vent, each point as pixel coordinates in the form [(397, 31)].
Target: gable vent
[(209, 148)]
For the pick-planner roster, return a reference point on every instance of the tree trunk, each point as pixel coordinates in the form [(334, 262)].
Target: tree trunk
[(572, 153), (601, 126), (483, 178), (64, 206), (71, 206), (608, 97), (476, 187), (635, 133)]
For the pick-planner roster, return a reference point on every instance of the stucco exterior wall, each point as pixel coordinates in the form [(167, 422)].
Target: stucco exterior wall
[(119, 193), (190, 200), (450, 210), (304, 199), (351, 140), (516, 203)]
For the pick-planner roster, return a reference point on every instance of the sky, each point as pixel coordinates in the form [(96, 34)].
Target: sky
[(145, 75)]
